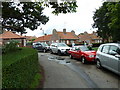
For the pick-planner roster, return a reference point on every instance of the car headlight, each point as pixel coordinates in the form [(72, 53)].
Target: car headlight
[(91, 56)]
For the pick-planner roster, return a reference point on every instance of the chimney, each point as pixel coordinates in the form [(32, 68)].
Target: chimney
[(64, 31), (73, 31), (54, 31), (85, 33)]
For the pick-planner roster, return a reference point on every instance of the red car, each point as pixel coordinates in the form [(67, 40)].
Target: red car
[(83, 53)]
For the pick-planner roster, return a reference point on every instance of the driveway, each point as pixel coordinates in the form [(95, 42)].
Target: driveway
[(63, 72)]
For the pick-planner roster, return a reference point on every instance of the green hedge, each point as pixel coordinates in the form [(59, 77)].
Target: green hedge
[(19, 68)]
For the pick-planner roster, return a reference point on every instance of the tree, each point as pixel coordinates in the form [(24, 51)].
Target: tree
[(19, 16), (114, 25), (101, 21), (107, 20)]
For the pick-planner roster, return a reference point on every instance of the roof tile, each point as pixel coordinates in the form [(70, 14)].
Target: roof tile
[(9, 35), (43, 38)]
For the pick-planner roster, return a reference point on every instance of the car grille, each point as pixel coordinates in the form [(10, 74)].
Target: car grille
[(67, 49)]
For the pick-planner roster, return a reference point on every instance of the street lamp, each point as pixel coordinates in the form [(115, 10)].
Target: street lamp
[(43, 33)]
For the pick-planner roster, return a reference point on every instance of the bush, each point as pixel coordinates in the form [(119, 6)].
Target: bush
[(19, 68), (96, 44), (11, 46)]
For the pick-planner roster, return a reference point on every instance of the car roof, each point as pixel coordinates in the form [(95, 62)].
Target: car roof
[(79, 46), (116, 44)]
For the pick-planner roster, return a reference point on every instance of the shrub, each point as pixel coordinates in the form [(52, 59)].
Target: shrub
[(96, 44), (19, 68), (11, 46)]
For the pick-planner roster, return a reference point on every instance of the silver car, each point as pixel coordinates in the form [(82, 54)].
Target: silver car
[(108, 56), (59, 48)]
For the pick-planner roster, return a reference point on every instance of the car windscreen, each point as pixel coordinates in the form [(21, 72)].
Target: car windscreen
[(62, 45), (44, 44), (83, 48)]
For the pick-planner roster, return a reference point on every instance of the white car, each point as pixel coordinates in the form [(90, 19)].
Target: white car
[(59, 48)]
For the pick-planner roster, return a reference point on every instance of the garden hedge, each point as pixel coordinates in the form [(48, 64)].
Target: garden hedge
[(19, 68)]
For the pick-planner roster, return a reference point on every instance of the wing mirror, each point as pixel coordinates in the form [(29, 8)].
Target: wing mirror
[(118, 56), (113, 52), (79, 51)]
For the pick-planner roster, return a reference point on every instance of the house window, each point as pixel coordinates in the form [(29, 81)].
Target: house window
[(63, 41), (67, 41), (57, 41), (72, 41)]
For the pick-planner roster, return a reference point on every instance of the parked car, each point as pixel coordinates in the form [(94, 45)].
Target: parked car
[(82, 53), (59, 48), (41, 47), (108, 56)]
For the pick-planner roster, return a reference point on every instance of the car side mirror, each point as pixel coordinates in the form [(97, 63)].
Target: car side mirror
[(113, 52), (118, 56), (79, 51)]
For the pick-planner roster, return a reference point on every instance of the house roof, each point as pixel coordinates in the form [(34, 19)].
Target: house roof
[(10, 35), (68, 35), (87, 36), (43, 38), (30, 37)]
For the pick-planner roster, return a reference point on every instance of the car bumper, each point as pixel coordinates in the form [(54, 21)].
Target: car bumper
[(92, 59), (64, 52)]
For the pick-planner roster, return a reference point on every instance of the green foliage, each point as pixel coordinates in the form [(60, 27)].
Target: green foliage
[(19, 68), (10, 47), (107, 20), (95, 48), (19, 16), (36, 80)]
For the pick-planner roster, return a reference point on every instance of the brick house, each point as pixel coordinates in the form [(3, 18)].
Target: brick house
[(66, 37), (8, 35), (46, 39), (30, 38), (90, 38)]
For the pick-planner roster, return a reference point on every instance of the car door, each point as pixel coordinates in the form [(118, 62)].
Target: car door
[(53, 48), (103, 56), (73, 52), (113, 60), (56, 48), (77, 52)]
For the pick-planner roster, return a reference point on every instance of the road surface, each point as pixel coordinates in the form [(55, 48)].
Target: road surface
[(63, 72)]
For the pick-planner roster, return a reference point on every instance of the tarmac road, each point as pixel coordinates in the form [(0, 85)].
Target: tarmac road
[(63, 72)]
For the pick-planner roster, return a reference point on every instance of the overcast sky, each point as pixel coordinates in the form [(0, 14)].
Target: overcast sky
[(80, 21)]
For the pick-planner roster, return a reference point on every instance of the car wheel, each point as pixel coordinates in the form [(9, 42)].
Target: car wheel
[(44, 51), (59, 53), (51, 51), (83, 60), (98, 64), (71, 56)]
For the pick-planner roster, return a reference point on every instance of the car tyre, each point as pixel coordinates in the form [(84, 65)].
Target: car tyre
[(44, 51), (98, 64), (59, 53), (83, 60), (51, 51), (71, 56)]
